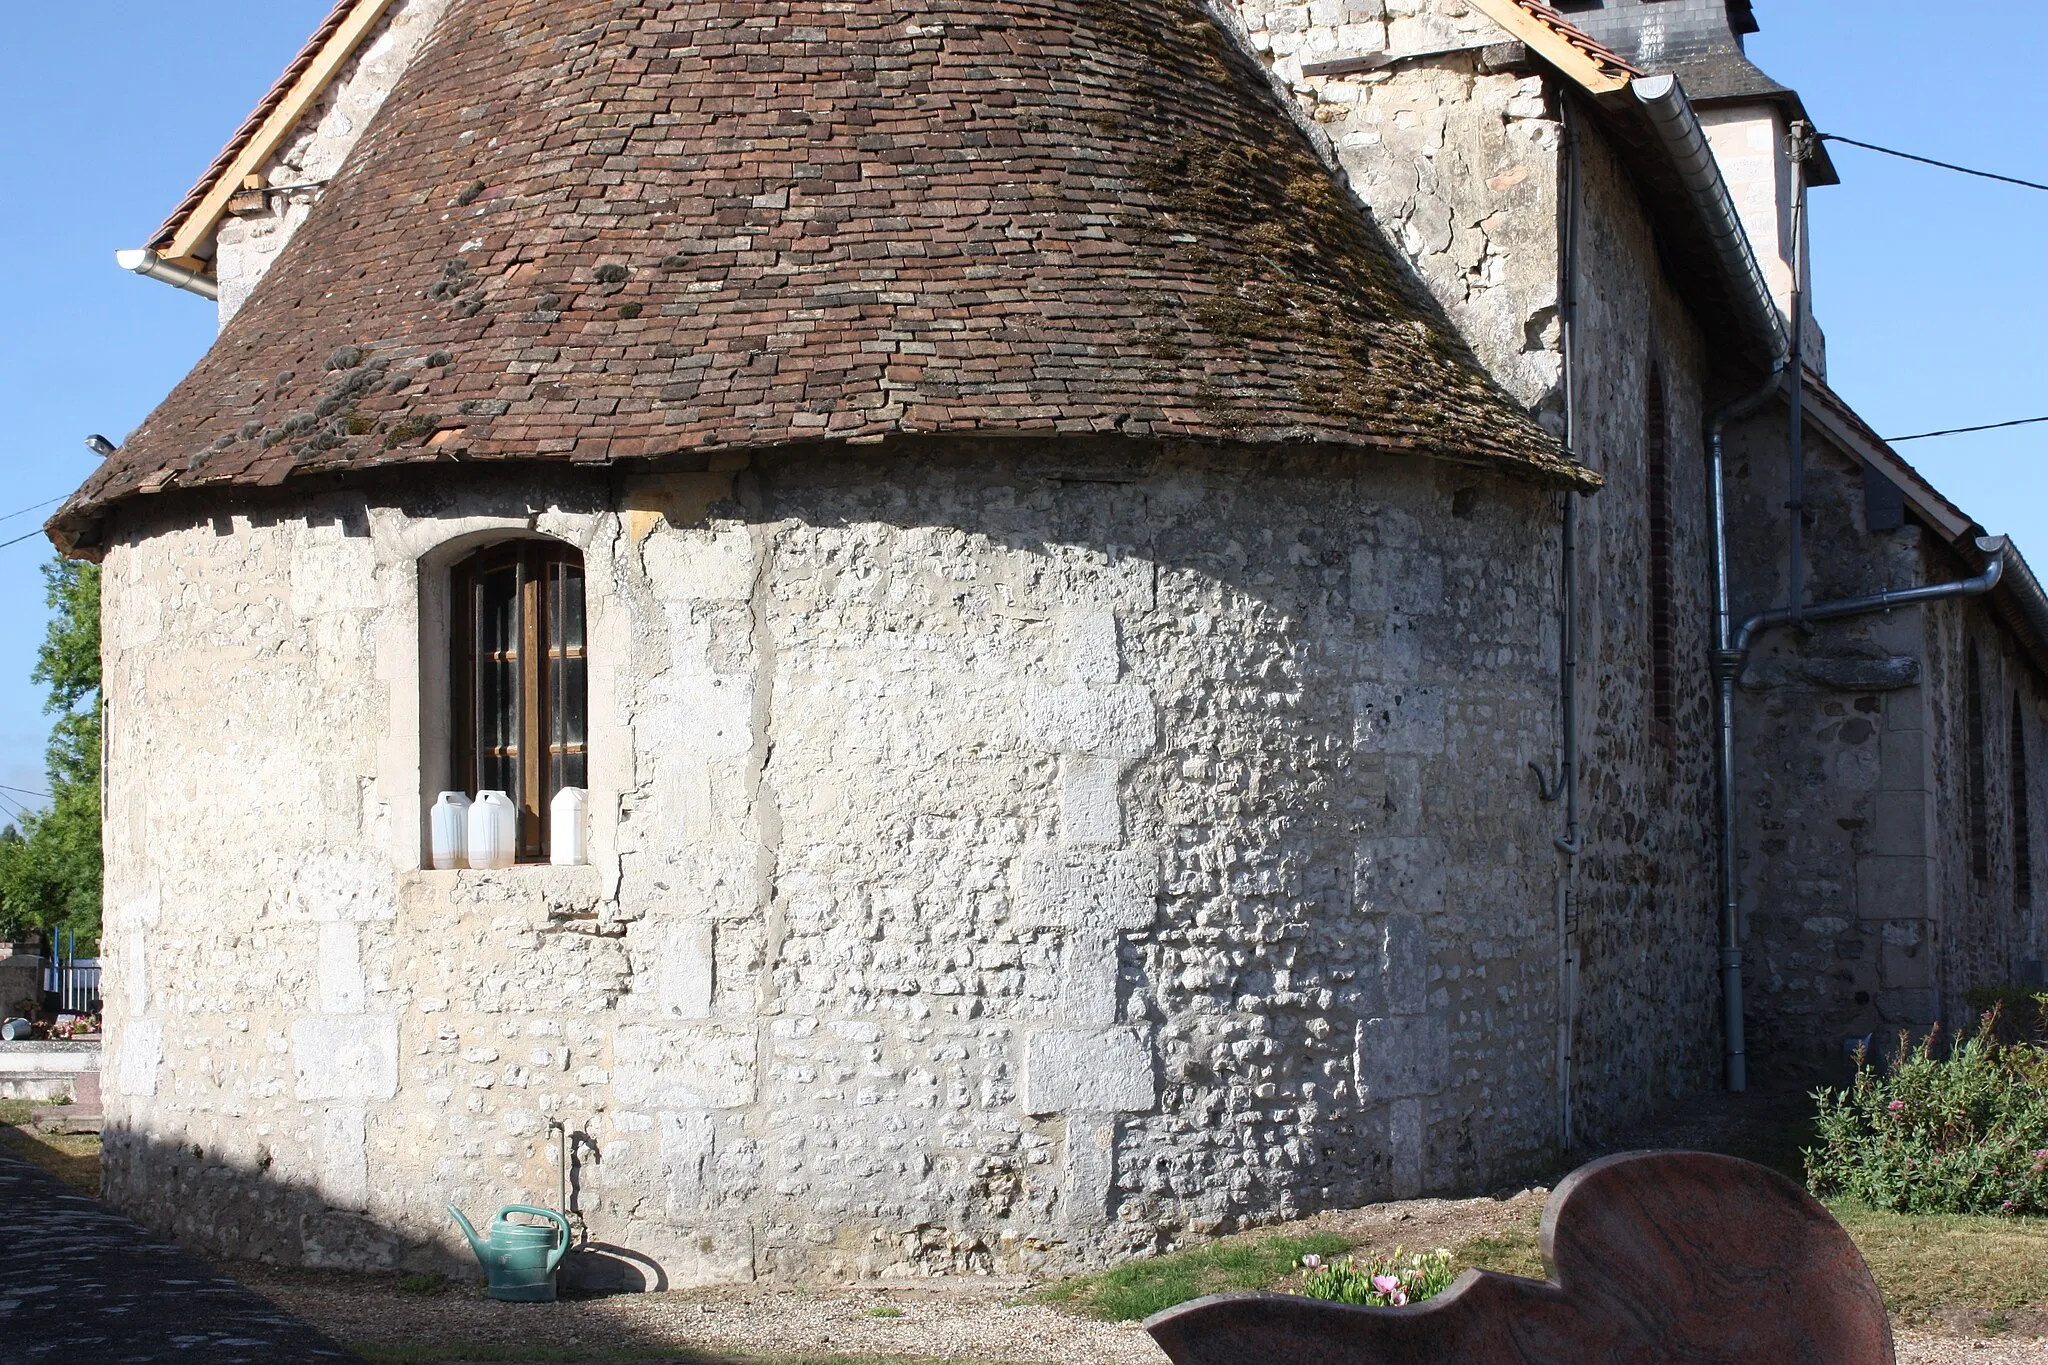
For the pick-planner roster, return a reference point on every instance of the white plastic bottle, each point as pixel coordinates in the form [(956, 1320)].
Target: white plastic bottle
[(449, 825), (493, 831), (569, 845)]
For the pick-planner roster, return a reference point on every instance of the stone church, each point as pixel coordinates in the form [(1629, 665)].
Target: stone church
[(1143, 594)]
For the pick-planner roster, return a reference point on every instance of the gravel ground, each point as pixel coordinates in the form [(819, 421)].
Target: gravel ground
[(947, 1319)]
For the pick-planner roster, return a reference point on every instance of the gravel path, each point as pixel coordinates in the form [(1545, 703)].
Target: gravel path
[(78, 1283)]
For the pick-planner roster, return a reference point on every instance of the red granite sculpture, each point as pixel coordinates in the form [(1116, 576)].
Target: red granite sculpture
[(1654, 1256)]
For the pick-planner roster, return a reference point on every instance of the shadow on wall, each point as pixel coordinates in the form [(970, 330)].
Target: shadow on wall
[(241, 1211)]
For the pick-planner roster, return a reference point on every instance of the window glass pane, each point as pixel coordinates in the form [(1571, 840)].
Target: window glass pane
[(497, 681), (568, 679)]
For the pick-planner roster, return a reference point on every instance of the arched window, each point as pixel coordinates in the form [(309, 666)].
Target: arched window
[(520, 679)]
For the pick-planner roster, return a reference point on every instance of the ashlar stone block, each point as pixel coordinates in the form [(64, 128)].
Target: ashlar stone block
[(1386, 579), (1088, 640), (345, 1057), (142, 1056), (706, 1066), (1400, 875), (1398, 718), (1405, 960), (1105, 890), (1091, 804), (1108, 722), (1401, 1057), (1073, 1072), (684, 974), (689, 1149)]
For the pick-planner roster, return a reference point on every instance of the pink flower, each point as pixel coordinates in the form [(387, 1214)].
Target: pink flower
[(1311, 1262), (1388, 1285), (1897, 1105)]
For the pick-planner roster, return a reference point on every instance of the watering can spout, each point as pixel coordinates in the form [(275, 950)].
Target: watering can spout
[(476, 1244)]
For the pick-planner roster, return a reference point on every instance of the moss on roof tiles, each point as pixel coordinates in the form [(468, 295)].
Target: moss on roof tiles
[(585, 231)]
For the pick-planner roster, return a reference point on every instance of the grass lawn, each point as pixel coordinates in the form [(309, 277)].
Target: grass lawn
[(1983, 1264), (1138, 1289), (73, 1159), (1928, 1262)]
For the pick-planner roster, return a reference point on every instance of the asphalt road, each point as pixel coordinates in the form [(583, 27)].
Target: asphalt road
[(78, 1283)]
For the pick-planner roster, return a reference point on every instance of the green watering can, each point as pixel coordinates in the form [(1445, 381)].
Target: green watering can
[(520, 1258)]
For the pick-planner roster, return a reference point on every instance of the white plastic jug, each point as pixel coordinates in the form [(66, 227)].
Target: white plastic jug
[(493, 831), (568, 846), (449, 830)]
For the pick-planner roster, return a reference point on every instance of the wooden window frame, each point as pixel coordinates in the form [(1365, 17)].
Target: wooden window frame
[(537, 717)]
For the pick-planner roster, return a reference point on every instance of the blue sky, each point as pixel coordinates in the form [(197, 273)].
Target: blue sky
[(1928, 284)]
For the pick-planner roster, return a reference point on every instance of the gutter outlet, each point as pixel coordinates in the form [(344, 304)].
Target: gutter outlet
[(146, 262)]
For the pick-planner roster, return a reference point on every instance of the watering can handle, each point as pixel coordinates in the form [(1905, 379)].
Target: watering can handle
[(555, 1256)]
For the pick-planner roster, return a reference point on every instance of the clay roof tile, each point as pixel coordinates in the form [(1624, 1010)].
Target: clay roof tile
[(843, 222)]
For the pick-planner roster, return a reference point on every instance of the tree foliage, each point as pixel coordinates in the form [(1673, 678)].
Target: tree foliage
[(50, 866)]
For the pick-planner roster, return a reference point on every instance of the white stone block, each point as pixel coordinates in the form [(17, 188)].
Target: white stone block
[(332, 573), (1110, 722), (1088, 639), (142, 1055), (1081, 888), (1404, 1147), (689, 1143), (350, 885), (1400, 875), (1401, 1056), (1089, 976), (1405, 961), (347, 1057), (1090, 1170), (696, 1067), (701, 566), (1074, 1072), (340, 969), (1398, 718), (135, 959), (1387, 579), (344, 1160), (684, 975), (1091, 806)]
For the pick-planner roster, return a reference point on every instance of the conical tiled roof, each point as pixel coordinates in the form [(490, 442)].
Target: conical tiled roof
[(591, 230)]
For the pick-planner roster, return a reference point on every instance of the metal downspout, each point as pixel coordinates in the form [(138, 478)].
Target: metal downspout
[(1727, 664), (1571, 844)]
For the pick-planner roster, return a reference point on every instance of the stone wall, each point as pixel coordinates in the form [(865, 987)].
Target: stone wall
[(1465, 169), (1009, 856), (250, 239), (1862, 910)]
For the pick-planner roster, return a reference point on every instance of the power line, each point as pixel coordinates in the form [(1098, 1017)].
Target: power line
[(1958, 431), (24, 791), (1930, 161), (18, 539), (26, 510)]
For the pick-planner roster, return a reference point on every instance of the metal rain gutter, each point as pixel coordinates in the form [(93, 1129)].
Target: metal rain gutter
[(145, 262), (1664, 103)]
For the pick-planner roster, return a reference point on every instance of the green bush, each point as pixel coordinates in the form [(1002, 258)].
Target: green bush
[(2019, 1017), (1962, 1133), (1379, 1282)]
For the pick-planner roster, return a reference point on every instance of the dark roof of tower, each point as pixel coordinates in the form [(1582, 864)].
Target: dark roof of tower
[(587, 231)]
